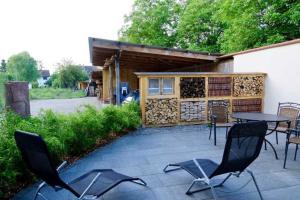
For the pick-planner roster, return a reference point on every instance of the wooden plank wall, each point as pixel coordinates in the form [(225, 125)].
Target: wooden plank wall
[(244, 92)]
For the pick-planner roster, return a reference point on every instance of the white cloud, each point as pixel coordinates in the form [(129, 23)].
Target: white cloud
[(55, 29)]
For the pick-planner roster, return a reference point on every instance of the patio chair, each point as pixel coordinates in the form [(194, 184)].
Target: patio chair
[(293, 137), (286, 109), (242, 147), (92, 184), (218, 118)]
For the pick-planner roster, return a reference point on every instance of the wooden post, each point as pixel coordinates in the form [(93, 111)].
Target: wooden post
[(117, 65), (111, 93), (17, 98)]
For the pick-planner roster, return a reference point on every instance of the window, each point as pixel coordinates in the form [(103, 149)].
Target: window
[(167, 87), (154, 86), (161, 86)]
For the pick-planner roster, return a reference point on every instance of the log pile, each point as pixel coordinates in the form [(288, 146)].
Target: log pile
[(248, 86), (192, 87), (192, 111), (210, 103), (247, 105), (219, 86), (161, 111)]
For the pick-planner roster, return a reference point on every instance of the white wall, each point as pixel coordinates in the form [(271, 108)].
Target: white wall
[(282, 65)]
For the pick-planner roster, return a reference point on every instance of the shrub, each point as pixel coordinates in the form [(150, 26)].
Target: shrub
[(65, 135)]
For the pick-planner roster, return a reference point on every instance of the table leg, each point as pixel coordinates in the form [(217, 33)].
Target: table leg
[(267, 141)]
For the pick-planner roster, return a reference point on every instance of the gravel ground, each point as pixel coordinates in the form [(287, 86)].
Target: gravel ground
[(63, 105)]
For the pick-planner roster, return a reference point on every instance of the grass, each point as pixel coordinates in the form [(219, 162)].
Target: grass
[(55, 93)]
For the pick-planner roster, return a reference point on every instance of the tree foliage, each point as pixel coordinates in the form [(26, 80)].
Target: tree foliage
[(3, 66), (68, 75), (212, 25), (22, 67), (152, 22), (197, 29)]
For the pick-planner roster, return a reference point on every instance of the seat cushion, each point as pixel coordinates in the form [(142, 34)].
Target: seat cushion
[(106, 179), (280, 129), (229, 124), (207, 165), (295, 140)]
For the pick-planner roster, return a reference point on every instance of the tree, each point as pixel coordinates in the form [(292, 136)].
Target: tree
[(152, 22), (69, 74), (22, 67), (3, 66), (256, 23), (212, 25), (197, 28)]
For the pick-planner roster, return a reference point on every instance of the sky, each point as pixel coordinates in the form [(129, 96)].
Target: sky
[(52, 30)]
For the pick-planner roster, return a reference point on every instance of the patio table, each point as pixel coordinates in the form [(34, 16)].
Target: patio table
[(270, 118)]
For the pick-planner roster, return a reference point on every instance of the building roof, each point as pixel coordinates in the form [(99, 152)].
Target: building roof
[(193, 73), (228, 56), (140, 56), (44, 73), (90, 69)]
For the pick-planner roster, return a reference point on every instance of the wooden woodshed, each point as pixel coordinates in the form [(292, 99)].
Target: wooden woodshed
[(170, 98)]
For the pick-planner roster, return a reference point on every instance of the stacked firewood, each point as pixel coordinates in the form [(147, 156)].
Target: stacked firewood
[(192, 87), (247, 105), (192, 111), (248, 86), (219, 86), (161, 111)]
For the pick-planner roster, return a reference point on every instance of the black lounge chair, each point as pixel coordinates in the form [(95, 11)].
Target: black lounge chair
[(90, 185), (242, 148)]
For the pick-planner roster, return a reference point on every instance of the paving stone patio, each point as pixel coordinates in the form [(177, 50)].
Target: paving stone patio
[(145, 152)]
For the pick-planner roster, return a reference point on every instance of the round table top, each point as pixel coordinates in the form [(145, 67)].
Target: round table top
[(259, 117)]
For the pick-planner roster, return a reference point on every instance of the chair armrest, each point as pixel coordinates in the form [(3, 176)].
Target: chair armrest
[(201, 170), (90, 185), (61, 166)]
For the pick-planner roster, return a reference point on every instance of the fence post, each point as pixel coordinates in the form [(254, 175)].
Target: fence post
[(17, 97)]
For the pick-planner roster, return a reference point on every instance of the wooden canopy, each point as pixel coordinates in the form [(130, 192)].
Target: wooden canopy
[(145, 57)]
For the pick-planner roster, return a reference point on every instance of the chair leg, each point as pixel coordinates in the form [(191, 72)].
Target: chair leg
[(276, 137), (141, 181), (227, 177), (226, 132), (296, 152), (285, 153), (255, 183), (171, 165), (215, 135), (211, 187), (37, 193), (210, 127), (265, 144), (213, 192)]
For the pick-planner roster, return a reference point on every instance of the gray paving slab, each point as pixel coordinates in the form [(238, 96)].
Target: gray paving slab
[(146, 151)]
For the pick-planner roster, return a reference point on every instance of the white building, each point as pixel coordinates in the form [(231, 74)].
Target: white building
[(280, 61), (45, 76)]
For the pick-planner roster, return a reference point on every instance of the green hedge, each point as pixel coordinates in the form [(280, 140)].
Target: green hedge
[(66, 136)]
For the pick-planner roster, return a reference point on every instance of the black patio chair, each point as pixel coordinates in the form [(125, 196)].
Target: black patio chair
[(293, 137), (242, 148), (92, 184), (218, 118)]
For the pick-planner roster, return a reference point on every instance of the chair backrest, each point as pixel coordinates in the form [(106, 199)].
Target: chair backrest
[(35, 153), (242, 147), (220, 110), (290, 110)]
